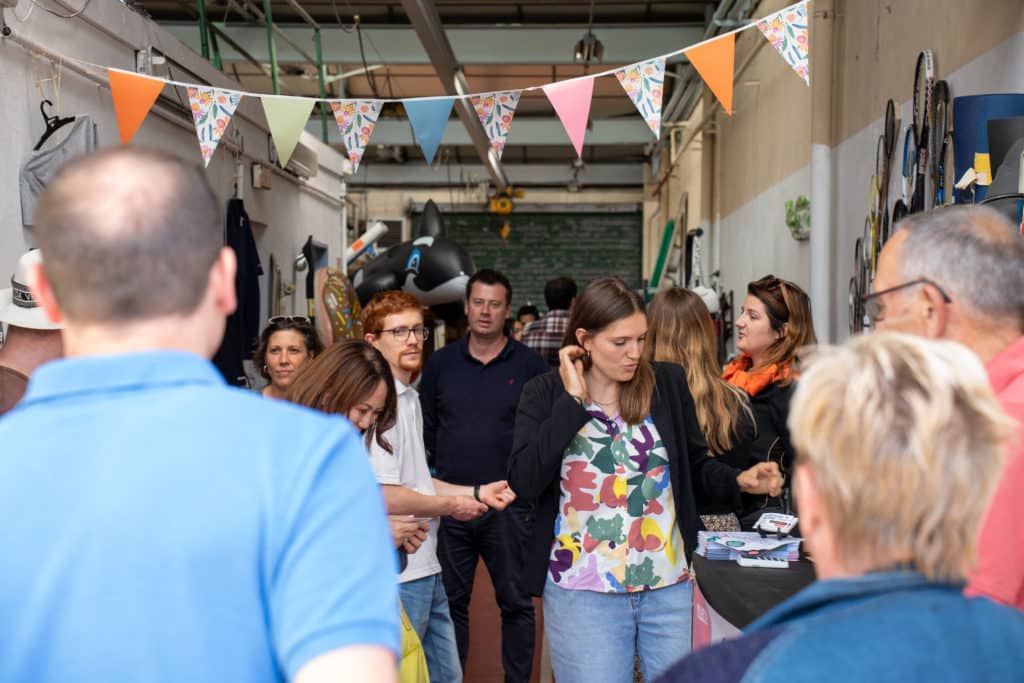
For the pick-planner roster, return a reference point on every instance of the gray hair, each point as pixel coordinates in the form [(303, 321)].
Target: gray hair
[(973, 253)]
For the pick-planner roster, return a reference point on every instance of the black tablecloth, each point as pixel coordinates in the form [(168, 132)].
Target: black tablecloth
[(742, 594)]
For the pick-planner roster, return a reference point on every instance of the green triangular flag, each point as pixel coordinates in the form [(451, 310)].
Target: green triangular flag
[(287, 118)]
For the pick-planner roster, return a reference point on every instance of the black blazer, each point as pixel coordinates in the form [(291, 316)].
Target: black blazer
[(547, 420), (771, 443)]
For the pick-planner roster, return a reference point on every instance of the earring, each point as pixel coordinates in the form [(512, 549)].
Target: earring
[(265, 368)]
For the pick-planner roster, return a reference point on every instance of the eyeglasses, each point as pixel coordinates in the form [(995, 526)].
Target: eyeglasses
[(401, 334), (295, 319), (873, 305)]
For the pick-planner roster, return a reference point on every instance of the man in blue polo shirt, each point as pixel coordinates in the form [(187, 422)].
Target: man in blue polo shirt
[(469, 395), (157, 524)]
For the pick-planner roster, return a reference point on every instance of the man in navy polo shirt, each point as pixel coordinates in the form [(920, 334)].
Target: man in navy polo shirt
[(469, 395), (159, 526)]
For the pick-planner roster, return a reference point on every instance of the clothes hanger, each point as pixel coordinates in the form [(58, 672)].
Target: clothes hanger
[(52, 123)]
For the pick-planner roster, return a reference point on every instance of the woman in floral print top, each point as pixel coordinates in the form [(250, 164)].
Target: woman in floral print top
[(610, 450)]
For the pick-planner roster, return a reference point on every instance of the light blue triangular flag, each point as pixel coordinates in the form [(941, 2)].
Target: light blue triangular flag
[(429, 119)]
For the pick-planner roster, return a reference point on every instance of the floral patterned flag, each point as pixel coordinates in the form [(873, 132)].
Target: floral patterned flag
[(356, 119), (496, 112), (643, 83), (787, 32), (212, 110)]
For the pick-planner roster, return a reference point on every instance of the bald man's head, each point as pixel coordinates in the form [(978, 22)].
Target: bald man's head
[(129, 234)]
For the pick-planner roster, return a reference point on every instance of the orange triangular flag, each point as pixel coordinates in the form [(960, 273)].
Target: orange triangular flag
[(134, 96), (714, 62)]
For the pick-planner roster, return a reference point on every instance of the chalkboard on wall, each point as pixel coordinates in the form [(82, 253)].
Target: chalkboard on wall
[(542, 246)]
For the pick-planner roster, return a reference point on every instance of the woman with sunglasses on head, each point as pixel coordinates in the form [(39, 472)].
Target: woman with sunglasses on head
[(681, 331), (610, 449), (284, 346), (774, 323)]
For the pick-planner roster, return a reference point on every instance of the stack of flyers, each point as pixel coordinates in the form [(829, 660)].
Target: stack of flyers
[(730, 545)]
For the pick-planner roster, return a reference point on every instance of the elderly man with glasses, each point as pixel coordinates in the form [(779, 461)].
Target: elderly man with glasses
[(958, 274)]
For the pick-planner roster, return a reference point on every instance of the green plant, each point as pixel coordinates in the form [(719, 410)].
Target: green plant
[(798, 217)]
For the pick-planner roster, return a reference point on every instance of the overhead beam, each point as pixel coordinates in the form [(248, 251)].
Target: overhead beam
[(487, 45), (425, 20), (525, 131), (418, 174)]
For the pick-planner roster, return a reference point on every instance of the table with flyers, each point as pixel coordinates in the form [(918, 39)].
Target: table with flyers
[(728, 597)]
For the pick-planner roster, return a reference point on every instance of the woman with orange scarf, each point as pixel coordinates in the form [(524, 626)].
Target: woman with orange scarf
[(774, 323)]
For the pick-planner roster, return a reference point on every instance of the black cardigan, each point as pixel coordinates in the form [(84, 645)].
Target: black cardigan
[(740, 456), (547, 420), (771, 443)]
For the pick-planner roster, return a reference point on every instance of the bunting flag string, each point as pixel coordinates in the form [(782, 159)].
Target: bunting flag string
[(356, 120), (212, 110), (287, 117), (134, 95), (714, 61), (495, 113), (429, 118), (643, 83), (571, 100), (787, 31)]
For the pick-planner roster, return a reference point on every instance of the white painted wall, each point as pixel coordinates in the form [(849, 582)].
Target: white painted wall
[(755, 239), (997, 71), (107, 34)]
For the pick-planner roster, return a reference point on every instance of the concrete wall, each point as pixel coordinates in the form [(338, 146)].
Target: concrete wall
[(108, 33)]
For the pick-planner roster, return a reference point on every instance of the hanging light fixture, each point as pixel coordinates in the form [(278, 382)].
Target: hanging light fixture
[(589, 48)]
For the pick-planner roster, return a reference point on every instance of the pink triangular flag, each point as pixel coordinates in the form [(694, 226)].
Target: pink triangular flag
[(571, 100)]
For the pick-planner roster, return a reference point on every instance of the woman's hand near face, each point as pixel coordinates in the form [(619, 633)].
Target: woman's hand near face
[(570, 368), (763, 478)]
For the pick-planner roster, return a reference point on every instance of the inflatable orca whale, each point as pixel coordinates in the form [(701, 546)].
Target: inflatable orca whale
[(432, 268)]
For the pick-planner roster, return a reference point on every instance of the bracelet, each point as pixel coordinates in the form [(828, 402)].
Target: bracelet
[(476, 493)]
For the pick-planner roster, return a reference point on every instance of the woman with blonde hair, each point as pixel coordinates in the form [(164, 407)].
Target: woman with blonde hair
[(774, 323), (610, 450), (681, 331)]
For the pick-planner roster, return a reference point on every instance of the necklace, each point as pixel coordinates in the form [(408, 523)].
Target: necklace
[(600, 403)]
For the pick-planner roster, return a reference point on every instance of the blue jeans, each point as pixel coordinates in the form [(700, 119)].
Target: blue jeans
[(593, 635), (426, 604), (499, 537)]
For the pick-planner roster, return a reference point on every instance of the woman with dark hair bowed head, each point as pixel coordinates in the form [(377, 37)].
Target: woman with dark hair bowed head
[(352, 379), (681, 331), (611, 451), (775, 322), (284, 346)]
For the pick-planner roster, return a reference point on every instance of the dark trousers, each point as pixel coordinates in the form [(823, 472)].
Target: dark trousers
[(499, 537)]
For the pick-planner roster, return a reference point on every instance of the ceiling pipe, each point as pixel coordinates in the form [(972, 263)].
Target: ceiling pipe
[(427, 23)]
